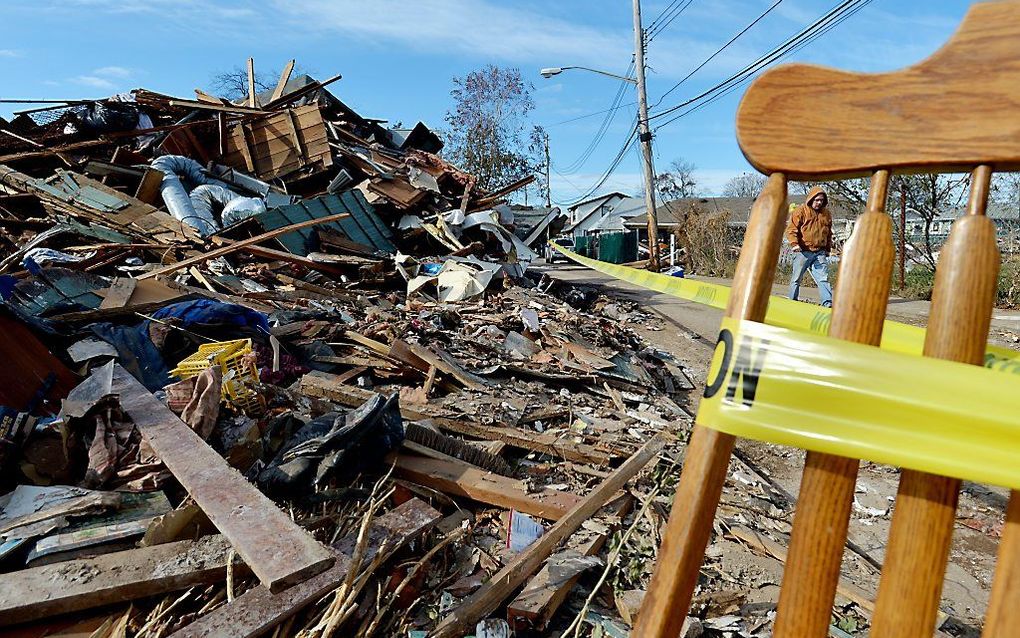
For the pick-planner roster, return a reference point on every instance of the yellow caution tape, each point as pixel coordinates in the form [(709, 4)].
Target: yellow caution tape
[(857, 401), (783, 313)]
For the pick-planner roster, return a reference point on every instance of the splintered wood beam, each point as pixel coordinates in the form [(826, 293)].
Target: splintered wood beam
[(459, 621), (237, 245), (252, 102), (148, 190), (282, 83), (323, 385), (75, 585), (543, 595), (279, 552), (119, 293), (258, 610), (463, 479)]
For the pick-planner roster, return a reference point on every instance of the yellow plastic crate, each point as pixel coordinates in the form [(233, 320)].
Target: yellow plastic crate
[(240, 376)]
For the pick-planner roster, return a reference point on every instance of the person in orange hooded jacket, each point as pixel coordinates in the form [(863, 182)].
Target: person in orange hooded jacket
[(809, 232)]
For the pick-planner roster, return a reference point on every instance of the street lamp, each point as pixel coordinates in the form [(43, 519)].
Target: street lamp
[(548, 72), (645, 134)]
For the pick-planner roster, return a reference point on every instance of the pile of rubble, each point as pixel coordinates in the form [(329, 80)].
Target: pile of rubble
[(274, 367)]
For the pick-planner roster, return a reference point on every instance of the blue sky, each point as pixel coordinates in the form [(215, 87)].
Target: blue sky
[(398, 58)]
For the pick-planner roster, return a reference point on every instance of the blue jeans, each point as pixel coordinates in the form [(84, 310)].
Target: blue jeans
[(817, 263)]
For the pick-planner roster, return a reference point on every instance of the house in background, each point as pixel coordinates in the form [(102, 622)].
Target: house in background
[(583, 216)]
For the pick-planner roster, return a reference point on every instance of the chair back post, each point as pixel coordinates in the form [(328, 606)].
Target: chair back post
[(708, 452), (922, 526), (827, 488)]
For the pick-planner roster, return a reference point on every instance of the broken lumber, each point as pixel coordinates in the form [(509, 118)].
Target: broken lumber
[(119, 293), (75, 585), (503, 583), (440, 359), (543, 595), (324, 385), (226, 250), (279, 552), (463, 479), (282, 83), (258, 610)]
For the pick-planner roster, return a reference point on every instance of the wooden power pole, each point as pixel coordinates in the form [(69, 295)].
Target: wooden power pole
[(645, 137)]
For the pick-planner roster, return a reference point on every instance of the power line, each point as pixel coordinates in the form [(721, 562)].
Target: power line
[(628, 143), (603, 128), (802, 38), (650, 33), (700, 102), (583, 117), (718, 51), (662, 13)]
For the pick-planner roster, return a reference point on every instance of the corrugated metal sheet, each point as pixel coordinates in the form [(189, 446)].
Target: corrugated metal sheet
[(363, 226)]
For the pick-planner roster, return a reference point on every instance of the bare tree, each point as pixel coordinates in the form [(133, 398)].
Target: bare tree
[(930, 196), (744, 185), (490, 133), (678, 182), (233, 84)]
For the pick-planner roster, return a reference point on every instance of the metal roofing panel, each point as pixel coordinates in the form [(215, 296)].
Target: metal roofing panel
[(362, 226)]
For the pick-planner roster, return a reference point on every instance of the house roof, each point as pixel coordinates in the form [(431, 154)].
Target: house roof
[(577, 205)]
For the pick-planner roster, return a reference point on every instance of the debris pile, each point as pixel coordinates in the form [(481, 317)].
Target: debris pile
[(277, 367)]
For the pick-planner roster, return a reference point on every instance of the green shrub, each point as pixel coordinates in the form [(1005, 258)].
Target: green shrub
[(919, 282)]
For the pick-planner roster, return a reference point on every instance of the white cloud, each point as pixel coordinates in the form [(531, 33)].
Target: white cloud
[(113, 72), (93, 81), (467, 26), (9, 53)]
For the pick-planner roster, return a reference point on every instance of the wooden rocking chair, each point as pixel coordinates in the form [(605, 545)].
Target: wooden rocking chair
[(959, 110)]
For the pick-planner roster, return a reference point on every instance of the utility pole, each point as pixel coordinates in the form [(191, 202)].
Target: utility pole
[(645, 136), (903, 235), (548, 166)]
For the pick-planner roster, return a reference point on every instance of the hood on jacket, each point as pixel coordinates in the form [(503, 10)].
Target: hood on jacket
[(814, 192)]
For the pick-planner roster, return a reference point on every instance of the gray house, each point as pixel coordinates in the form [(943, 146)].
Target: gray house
[(583, 216)]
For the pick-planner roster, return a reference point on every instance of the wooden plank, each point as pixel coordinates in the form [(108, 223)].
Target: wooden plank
[(282, 255), (74, 585), (226, 108), (771, 548), (323, 385), (119, 293), (245, 148), (305, 90), (463, 479), (282, 83), (252, 100), (543, 595), (507, 580), (279, 552), (148, 189), (445, 363), (295, 135), (273, 136), (257, 611), (226, 250)]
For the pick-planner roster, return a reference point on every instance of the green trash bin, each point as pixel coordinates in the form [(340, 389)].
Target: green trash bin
[(618, 248)]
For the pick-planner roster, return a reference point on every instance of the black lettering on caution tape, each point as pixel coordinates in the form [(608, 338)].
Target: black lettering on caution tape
[(744, 372)]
